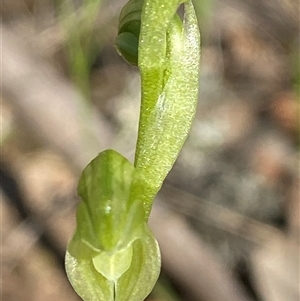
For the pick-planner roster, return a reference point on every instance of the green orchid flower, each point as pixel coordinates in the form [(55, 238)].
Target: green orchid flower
[(113, 255)]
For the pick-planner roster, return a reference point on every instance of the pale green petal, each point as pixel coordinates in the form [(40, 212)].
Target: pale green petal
[(112, 253)]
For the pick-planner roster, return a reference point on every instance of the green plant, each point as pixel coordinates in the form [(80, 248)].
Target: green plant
[(113, 254), (78, 25)]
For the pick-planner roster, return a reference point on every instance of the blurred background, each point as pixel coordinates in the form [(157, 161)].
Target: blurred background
[(227, 217)]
